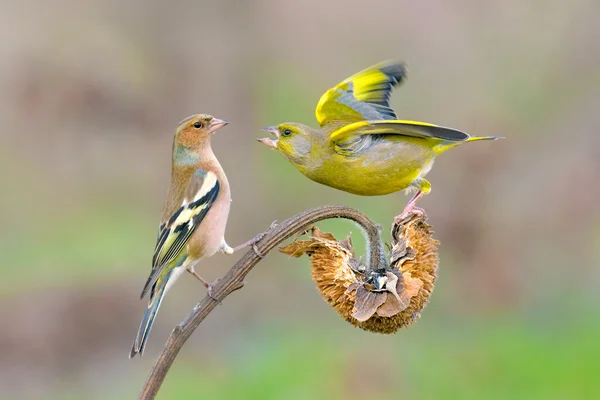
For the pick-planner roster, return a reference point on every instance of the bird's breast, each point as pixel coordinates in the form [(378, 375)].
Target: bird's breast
[(210, 234)]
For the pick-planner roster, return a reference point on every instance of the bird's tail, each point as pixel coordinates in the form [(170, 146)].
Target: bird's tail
[(148, 321), (446, 145), (474, 138)]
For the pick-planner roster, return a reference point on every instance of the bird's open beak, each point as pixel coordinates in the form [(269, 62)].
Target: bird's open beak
[(271, 142), (216, 124)]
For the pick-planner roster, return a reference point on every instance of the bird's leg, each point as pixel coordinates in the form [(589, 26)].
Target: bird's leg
[(248, 242), (225, 248), (423, 187), (252, 242), (411, 208), (210, 289), (191, 270), (209, 286)]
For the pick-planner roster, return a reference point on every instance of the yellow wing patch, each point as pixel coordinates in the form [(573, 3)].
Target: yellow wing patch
[(363, 96), (366, 83), (347, 131)]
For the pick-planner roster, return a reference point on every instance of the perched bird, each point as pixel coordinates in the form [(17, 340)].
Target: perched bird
[(361, 147), (194, 217)]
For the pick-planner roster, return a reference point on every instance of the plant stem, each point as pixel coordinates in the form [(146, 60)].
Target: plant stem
[(234, 278)]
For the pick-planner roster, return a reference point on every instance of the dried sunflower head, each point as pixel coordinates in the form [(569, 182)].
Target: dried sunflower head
[(382, 300)]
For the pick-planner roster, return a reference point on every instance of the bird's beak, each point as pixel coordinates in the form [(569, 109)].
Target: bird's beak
[(216, 124), (271, 142)]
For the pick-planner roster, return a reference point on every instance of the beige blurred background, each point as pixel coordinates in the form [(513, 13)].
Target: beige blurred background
[(91, 92)]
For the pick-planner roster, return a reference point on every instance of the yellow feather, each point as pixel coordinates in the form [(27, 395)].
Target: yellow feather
[(362, 96), (346, 131)]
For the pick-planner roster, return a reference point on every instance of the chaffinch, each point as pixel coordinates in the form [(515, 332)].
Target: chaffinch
[(194, 217)]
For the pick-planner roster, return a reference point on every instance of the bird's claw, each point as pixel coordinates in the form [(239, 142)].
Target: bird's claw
[(258, 237), (252, 242), (256, 251), (408, 213), (209, 289)]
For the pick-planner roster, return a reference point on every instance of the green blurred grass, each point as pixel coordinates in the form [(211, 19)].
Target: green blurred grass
[(85, 245), (492, 359)]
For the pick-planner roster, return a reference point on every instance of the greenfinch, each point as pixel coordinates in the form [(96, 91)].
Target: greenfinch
[(194, 216), (361, 146)]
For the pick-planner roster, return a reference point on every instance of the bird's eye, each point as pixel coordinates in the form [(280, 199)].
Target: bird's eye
[(287, 132), (198, 125)]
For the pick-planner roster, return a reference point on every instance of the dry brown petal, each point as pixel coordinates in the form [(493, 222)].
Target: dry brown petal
[(347, 244), (354, 286), (318, 234), (394, 284), (392, 306), (297, 249), (412, 285), (367, 303)]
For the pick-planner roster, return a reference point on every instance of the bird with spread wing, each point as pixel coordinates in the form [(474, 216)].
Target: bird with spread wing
[(361, 146), (194, 216)]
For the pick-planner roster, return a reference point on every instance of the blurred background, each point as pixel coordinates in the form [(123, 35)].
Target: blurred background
[(91, 93)]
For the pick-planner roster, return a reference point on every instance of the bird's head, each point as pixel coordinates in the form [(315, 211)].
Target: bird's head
[(292, 140), (194, 131)]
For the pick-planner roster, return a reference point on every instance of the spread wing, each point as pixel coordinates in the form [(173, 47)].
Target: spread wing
[(174, 234), (413, 129), (363, 96), (357, 136)]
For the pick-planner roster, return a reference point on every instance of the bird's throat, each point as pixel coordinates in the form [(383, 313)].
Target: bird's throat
[(185, 156)]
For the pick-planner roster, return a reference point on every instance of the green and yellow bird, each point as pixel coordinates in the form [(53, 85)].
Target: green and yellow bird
[(361, 146)]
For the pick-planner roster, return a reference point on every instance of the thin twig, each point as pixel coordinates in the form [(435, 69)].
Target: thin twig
[(234, 279)]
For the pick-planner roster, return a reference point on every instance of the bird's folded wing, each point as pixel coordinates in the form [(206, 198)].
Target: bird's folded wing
[(415, 129), (363, 96), (173, 235)]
